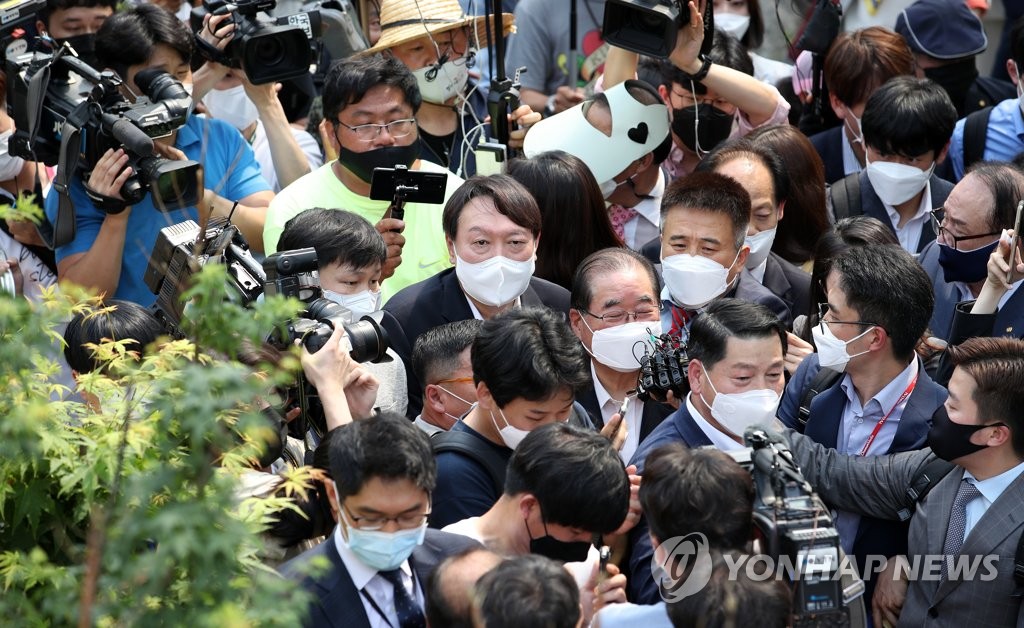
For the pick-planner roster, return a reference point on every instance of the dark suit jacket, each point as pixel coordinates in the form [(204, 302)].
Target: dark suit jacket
[(337, 602), (654, 413), (829, 145), (871, 205), (679, 427), (874, 536), (439, 300), (877, 486), (789, 283), (1009, 320)]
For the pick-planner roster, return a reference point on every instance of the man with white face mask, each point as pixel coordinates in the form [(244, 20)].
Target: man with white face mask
[(907, 124), (441, 361), (350, 254), (528, 369), (438, 43), (615, 311), (760, 171), (492, 227), (736, 373), (879, 399), (704, 221)]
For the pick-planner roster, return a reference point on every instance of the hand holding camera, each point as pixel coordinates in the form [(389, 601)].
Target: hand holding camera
[(689, 40)]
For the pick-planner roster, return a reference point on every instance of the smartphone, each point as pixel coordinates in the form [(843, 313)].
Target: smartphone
[(418, 186), (624, 407), (1013, 242), (605, 555), (490, 158)]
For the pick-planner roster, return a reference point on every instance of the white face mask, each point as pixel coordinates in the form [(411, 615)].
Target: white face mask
[(439, 84), (694, 280), (896, 183), (858, 136), (735, 25), (10, 166), (511, 436), (738, 411), (496, 281), (468, 403), (618, 347), (608, 188), (832, 353), (360, 303), (760, 246), (231, 106)]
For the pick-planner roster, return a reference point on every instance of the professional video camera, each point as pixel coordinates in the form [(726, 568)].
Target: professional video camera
[(54, 99), (794, 522), (649, 27), (663, 370)]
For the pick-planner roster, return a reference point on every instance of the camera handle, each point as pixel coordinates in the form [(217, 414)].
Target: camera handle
[(502, 100)]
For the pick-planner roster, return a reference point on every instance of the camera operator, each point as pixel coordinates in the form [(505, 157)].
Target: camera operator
[(110, 251), (350, 254), (369, 108), (438, 43), (285, 153), (540, 513), (75, 22), (737, 351), (970, 514)]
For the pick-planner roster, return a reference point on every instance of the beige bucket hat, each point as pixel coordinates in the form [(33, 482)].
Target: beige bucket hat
[(402, 21)]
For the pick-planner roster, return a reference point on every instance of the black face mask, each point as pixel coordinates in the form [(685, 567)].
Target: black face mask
[(362, 164), (956, 79), (713, 126), (562, 551), (84, 45), (950, 440)]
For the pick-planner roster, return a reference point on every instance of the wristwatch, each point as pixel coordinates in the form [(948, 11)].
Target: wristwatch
[(702, 73)]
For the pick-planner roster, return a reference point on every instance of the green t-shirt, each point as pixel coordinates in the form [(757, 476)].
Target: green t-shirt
[(425, 253)]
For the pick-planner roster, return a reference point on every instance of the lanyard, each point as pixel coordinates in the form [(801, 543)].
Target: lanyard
[(881, 422)]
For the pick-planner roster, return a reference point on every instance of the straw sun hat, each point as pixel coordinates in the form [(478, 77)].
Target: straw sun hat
[(402, 21)]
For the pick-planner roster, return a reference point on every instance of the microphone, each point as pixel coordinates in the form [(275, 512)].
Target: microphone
[(432, 72)]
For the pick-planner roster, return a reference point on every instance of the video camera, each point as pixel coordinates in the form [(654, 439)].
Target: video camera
[(794, 522), (55, 98), (649, 27)]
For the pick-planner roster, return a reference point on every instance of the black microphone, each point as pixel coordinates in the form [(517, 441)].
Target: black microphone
[(432, 72), (132, 137)]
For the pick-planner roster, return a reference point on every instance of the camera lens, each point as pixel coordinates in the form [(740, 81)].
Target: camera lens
[(368, 339), (268, 51)]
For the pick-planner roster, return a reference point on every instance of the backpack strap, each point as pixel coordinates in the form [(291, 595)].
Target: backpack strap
[(822, 380), (468, 445), (975, 136), (846, 197), (923, 482)]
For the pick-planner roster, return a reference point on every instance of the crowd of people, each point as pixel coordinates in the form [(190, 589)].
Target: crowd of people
[(676, 251)]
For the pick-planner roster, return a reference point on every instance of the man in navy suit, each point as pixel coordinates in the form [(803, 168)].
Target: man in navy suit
[(381, 550), (615, 310), (885, 400), (492, 226), (981, 205), (856, 65), (907, 124), (736, 373)]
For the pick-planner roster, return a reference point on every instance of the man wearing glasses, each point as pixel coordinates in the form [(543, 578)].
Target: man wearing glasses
[(381, 551), (968, 227), (879, 302), (369, 107), (615, 311)]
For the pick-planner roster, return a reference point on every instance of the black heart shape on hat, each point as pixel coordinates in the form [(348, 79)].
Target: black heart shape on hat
[(638, 133)]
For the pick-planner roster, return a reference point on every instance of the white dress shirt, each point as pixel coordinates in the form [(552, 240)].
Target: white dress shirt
[(610, 406), (368, 582), (644, 227), (909, 234), (850, 163)]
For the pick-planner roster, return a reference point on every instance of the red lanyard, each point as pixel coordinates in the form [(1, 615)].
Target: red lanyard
[(881, 422)]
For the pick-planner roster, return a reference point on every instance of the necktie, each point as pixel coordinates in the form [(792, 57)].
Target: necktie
[(679, 320), (410, 615), (620, 216), (958, 522)]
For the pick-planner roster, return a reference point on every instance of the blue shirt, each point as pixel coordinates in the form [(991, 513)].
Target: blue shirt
[(230, 170), (990, 490), (1004, 139)]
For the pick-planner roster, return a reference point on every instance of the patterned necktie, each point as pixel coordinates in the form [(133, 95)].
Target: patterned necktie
[(410, 615), (680, 318), (620, 216), (958, 522)]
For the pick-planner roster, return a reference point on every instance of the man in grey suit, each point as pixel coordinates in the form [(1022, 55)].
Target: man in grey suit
[(381, 552), (972, 515)]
